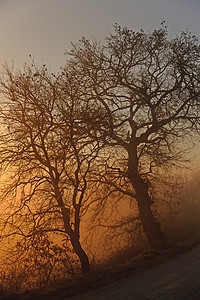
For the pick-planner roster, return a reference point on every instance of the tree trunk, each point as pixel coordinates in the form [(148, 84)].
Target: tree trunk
[(73, 235), (85, 265), (151, 227)]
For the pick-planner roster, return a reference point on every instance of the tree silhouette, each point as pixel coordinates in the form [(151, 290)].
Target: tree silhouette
[(45, 156), (142, 102)]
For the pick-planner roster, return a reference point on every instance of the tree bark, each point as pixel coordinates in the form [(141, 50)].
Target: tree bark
[(151, 227), (73, 234), (85, 265)]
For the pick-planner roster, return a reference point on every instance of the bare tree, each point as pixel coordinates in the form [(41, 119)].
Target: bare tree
[(35, 263), (44, 156), (142, 94)]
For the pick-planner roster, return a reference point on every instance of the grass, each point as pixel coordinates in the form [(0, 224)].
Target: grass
[(102, 275)]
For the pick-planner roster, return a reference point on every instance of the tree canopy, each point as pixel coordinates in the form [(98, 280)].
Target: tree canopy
[(142, 93), (113, 116)]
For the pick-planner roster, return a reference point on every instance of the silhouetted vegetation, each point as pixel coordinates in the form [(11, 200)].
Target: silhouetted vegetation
[(142, 106), (90, 156)]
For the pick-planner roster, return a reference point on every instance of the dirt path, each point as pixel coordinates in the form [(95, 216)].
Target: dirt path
[(177, 279)]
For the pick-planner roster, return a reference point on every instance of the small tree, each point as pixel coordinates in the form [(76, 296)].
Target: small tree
[(44, 155), (142, 95), (36, 262)]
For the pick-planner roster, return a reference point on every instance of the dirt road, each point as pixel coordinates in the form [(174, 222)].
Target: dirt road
[(176, 279)]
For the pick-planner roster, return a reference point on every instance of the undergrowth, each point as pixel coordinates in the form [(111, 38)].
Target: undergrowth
[(102, 274)]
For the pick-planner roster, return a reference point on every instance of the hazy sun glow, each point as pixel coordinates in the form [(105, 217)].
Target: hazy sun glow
[(89, 160)]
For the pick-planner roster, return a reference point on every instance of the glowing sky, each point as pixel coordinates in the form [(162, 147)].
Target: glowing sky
[(45, 28)]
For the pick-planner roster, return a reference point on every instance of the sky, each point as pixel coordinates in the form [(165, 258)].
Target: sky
[(46, 28)]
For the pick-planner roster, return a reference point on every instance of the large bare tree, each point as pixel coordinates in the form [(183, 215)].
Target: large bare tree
[(142, 95), (44, 156)]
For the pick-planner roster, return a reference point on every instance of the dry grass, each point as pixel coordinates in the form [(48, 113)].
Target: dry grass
[(103, 274)]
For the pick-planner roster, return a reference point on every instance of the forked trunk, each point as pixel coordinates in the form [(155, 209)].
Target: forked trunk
[(73, 235)]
